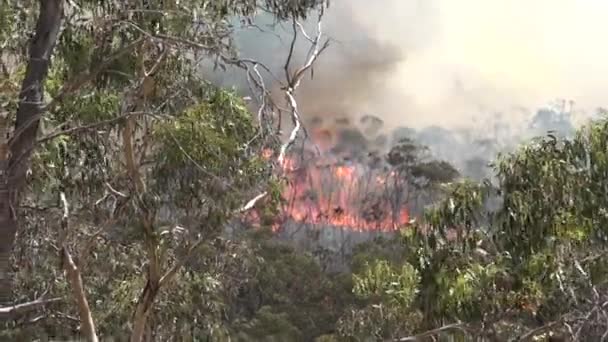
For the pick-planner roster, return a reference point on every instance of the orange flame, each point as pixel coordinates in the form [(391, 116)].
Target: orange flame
[(347, 196)]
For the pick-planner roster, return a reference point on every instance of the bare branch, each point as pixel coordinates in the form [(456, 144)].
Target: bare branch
[(114, 191), (296, 129), (291, 51), (295, 79), (12, 312)]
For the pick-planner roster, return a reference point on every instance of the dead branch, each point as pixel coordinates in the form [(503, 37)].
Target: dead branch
[(15, 311), (294, 80), (291, 51), (296, 129)]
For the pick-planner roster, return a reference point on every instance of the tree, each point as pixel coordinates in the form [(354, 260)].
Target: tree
[(14, 153), (527, 270), (415, 174), (131, 122)]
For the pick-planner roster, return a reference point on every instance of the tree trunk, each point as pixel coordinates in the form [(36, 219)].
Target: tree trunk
[(144, 306), (75, 279), (7, 224), (14, 161)]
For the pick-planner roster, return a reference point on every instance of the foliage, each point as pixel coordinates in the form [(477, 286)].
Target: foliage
[(291, 285), (219, 138), (527, 266), (140, 165)]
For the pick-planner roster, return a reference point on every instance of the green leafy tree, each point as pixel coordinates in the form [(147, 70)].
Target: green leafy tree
[(133, 159), (528, 270)]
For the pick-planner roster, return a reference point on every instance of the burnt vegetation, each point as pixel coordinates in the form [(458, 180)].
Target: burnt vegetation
[(140, 201)]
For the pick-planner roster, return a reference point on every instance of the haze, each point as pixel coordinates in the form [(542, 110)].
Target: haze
[(451, 63)]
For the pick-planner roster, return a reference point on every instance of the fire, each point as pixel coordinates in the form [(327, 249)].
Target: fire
[(323, 191), (344, 173)]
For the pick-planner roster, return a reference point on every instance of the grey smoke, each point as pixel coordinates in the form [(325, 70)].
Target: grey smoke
[(468, 78)]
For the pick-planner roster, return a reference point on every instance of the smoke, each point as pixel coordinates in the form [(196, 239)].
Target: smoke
[(470, 59), (458, 65), (427, 62)]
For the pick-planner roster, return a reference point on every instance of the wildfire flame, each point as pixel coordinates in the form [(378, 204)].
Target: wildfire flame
[(325, 191)]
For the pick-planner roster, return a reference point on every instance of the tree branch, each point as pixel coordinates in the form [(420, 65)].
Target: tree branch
[(74, 277), (455, 326), (15, 311), (77, 129), (170, 274), (535, 332), (73, 86), (252, 202), (295, 79)]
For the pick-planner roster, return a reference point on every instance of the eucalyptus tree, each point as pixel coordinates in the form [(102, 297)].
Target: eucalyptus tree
[(111, 136), (532, 268)]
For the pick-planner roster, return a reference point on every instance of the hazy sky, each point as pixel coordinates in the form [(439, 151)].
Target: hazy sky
[(491, 54), (452, 62)]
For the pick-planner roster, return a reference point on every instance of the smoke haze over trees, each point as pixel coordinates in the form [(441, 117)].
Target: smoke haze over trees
[(467, 68)]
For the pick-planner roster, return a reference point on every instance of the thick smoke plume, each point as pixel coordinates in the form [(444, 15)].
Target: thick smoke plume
[(477, 66)]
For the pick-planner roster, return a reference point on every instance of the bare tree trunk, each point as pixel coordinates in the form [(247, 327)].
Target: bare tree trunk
[(7, 224), (14, 160), (146, 301), (74, 278), (144, 306)]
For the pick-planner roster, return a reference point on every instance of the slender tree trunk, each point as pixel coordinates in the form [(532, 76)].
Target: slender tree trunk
[(75, 279), (7, 225), (144, 306), (16, 152), (72, 273), (146, 300)]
